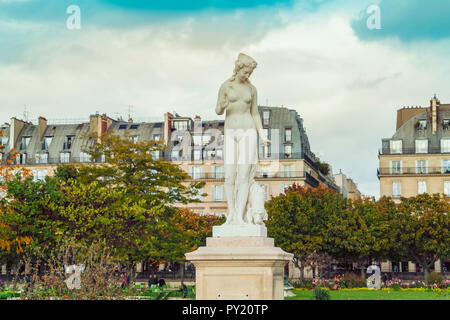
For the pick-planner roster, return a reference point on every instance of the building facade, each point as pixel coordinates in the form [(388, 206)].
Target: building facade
[(348, 188), (195, 145), (416, 159)]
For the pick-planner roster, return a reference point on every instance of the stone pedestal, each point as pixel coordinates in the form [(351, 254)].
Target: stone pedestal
[(239, 268), (248, 230)]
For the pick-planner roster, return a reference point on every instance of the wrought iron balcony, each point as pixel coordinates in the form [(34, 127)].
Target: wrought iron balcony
[(259, 175), (430, 150), (413, 170)]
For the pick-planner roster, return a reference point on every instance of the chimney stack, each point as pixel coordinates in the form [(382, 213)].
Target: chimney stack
[(434, 114), (42, 126), (14, 131), (167, 126)]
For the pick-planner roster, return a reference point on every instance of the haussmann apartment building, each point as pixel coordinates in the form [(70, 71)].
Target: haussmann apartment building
[(416, 160)]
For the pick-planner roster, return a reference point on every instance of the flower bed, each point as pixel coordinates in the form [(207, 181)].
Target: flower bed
[(353, 281)]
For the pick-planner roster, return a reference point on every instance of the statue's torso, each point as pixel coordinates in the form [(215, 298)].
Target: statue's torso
[(238, 115)]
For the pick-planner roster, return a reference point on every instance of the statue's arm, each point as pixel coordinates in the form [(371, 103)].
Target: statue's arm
[(222, 101), (256, 117)]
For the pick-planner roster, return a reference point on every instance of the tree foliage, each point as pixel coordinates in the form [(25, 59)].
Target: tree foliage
[(313, 223), (128, 202), (423, 228)]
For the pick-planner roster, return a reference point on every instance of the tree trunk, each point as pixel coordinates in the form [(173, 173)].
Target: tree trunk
[(16, 269), (132, 272), (182, 265), (426, 272)]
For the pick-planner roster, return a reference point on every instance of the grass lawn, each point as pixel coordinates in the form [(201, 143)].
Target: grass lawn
[(374, 295)]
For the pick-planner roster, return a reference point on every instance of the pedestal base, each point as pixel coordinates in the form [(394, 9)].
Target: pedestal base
[(238, 268), (249, 230)]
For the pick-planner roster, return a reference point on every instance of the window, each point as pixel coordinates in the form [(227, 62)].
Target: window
[(396, 189), (218, 172), (421, 166), (21, 158), (447, 188), (219, 154), (217, 193), (396, 146), (134, 126), (25, 142), (396, 167), (180, 125), (196, 172), (266, 148), (445, 124), (445, 166), (123, 126), (68, 142), (39, 175), (155, 154), (288, 151), (64, 157), (85, 157), (197, 155), (421, 187), (421, 146), (288, 135), (156, 137), (287, 171), (42, 158), (445, 145), (46, 143), (4, 141), (134, 139), (266, 117), (422, 124)]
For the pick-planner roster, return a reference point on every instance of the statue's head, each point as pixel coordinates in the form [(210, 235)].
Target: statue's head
[(244, 67)]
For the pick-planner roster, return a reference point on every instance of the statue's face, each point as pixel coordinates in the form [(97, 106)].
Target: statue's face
[(244, 73)]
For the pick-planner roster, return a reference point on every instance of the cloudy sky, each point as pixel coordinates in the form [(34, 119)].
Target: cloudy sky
[(315, 56)]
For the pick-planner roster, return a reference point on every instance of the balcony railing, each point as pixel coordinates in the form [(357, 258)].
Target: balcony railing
[(429, 150), (313, 182), (413, 170), (259, 175), (33, 161)]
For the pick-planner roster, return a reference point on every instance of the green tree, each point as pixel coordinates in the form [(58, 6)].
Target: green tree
[(423, 228), (297, 220), (150, 186), (190, 232)]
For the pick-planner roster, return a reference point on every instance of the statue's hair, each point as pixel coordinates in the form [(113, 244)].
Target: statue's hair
[(243, 61)]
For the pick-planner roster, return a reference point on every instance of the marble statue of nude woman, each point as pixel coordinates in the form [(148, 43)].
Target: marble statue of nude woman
[(238, 98)]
